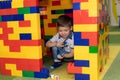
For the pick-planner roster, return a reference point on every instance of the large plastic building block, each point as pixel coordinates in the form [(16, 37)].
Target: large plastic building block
[(79, 41), (13, 17), (17, 4), (82, 17), (24, 10), (14, 71), (55, 3), (31, 3), (25, 36), (93, 40), (8, 11), (44, 73), (73, 69), (80, 0), (24, 23), (82, 63), (34, 10), (68, 11), (52, 24), (85, 28), (80, 50), (5, 4), (82, 77), (76, 6), (93, 49), (92, 10), (57, 11)]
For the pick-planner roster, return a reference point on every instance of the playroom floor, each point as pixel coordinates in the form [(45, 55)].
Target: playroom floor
[(110, 72)]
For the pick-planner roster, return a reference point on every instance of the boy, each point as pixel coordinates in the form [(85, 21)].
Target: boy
[(62, 42)]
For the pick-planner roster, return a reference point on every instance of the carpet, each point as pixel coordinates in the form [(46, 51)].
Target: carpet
[(114, 38), (113, 72), (114, 29)]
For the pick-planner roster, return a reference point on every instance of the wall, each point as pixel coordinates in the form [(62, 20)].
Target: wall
[(49, 13)]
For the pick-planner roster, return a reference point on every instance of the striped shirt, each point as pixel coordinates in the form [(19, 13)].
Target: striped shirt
[(68, 43)]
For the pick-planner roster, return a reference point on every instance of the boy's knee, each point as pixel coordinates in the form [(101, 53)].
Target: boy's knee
[(54, 48)]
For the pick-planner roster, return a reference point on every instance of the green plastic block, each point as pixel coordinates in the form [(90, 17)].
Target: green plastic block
[(0, 19), (28, 74), (93, 49), (23, 10), (59, 11)]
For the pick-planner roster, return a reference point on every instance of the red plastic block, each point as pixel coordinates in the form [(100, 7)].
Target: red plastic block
[(30, 3), (72, 69), (52, 25), (5, 30), (24, 23), (70, 15), (44, 16), (10, 11), (81, 17), (92, 36), (55, 3), (15, 44), (34, 65)]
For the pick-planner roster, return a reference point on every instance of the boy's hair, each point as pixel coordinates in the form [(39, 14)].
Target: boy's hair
[(64, 20)]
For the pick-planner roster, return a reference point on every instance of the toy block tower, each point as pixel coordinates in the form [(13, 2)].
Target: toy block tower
[(90, 39), (20, 39)]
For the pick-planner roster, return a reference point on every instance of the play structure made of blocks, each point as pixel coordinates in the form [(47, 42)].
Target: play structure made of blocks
[(90, 39), (20, 39), (25, 26)]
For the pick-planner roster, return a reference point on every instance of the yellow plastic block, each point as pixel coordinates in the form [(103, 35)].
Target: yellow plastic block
[(93, 69), (31, 52), (85, 28), (35, 25), (82, 53), (17, 3), (3, 48), (14, 71), (15, 26), (91, 6), (1, 31)]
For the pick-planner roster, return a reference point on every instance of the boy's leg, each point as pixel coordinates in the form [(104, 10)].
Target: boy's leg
[(57, 62), (55, 53)]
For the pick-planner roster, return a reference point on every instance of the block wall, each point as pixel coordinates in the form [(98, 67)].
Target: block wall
[(20, 39), (49, 13), (90, 39)]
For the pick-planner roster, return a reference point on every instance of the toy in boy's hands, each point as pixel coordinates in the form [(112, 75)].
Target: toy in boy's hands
[(60, 51)]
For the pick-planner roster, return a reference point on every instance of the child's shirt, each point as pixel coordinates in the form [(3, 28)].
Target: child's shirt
[(68, 43)]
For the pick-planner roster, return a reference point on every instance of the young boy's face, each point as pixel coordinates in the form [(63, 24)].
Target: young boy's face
[(64, 31)]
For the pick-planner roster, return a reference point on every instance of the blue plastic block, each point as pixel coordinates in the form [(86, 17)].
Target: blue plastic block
[(5, 4), (76, 6), (81, 63), (67, 11), (44, 73), (13, 17), (82, 77), (34, 10), (79, 41), (26, 36), (53, 12)]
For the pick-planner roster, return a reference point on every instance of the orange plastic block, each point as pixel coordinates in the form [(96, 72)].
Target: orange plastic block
[(72, 69), (80, 0), (8, 11), (93, 40)]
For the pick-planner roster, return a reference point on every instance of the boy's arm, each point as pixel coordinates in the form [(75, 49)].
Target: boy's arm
[(50, 44), (69, 55)]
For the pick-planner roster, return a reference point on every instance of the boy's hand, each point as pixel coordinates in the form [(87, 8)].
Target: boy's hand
[(59, 44), (59, 56)]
